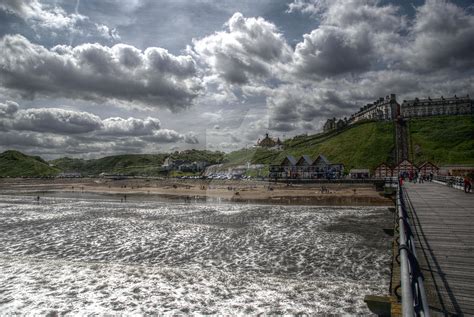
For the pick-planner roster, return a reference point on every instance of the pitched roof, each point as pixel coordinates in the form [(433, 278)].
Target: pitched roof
[(304, 158), (407, 161), (322, 158), (428, 163), (290, 159), (383, 164)]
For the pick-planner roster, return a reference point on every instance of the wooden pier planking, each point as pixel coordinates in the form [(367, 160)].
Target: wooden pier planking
[(443, 221)]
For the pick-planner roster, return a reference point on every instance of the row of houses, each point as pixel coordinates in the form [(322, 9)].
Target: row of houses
[(334, 124), (306, 168), (389, 109), (382, 109), (405, 167), (437, 106)]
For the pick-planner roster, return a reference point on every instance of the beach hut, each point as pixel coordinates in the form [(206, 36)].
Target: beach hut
[(303, 167), (405, 167), (336, 170), (320, 167), (427, 167), (288, 167), (383, 170)]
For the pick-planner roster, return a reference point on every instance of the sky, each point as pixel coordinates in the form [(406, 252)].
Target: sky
[(90, 78)]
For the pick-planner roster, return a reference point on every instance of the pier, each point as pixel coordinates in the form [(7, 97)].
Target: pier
[(432, 254), (442, 220)]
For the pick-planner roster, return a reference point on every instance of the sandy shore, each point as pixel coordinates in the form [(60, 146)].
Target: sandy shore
[(231, 190)]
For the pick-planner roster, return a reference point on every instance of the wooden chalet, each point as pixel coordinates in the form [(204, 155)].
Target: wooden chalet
[(336, 170), (404, 167), (303, 167), (427, 167), (286, 169), (306, 168), (383, 170), (320, 166)]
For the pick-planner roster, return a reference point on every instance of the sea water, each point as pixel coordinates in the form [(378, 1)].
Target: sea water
[(87, 255)]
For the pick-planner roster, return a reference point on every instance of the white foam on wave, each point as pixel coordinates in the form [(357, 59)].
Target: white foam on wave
[(91, 256)]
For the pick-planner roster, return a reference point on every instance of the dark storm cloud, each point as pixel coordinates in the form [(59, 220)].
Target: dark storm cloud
[(8, 108), (442, 37), (347, 13), (353, 36), (292, 107), (248, 49), (329, 51), (55, 120), (30, 139), (350, 52), (81, 132), (153, 77)]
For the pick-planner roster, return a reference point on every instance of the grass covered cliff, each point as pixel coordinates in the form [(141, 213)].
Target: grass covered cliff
[(17, 164), (443, 140)]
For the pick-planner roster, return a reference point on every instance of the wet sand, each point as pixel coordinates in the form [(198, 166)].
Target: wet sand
[(227, 190)]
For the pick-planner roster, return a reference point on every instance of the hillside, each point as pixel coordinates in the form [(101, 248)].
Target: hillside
[(128, 164), (362, 145), (133, 164), (17, 164), (442, 140)]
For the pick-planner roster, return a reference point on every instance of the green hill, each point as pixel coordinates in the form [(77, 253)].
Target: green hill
[(133, 164), (361, 145), (17, 164), (128, 164), (442, 140)]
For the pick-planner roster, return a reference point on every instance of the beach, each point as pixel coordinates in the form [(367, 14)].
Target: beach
[(249, 191)]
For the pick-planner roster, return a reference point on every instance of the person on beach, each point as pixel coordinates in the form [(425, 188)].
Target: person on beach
[(467, 184)]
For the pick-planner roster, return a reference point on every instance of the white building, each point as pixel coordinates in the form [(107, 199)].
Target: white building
[(436, 107), (382, 109)]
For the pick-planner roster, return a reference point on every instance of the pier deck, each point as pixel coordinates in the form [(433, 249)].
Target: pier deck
[(443, 221)]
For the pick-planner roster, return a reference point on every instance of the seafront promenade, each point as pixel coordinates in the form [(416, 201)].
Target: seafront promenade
[(442, 220)]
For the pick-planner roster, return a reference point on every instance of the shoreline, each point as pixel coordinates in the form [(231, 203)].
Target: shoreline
[(232, 191)]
